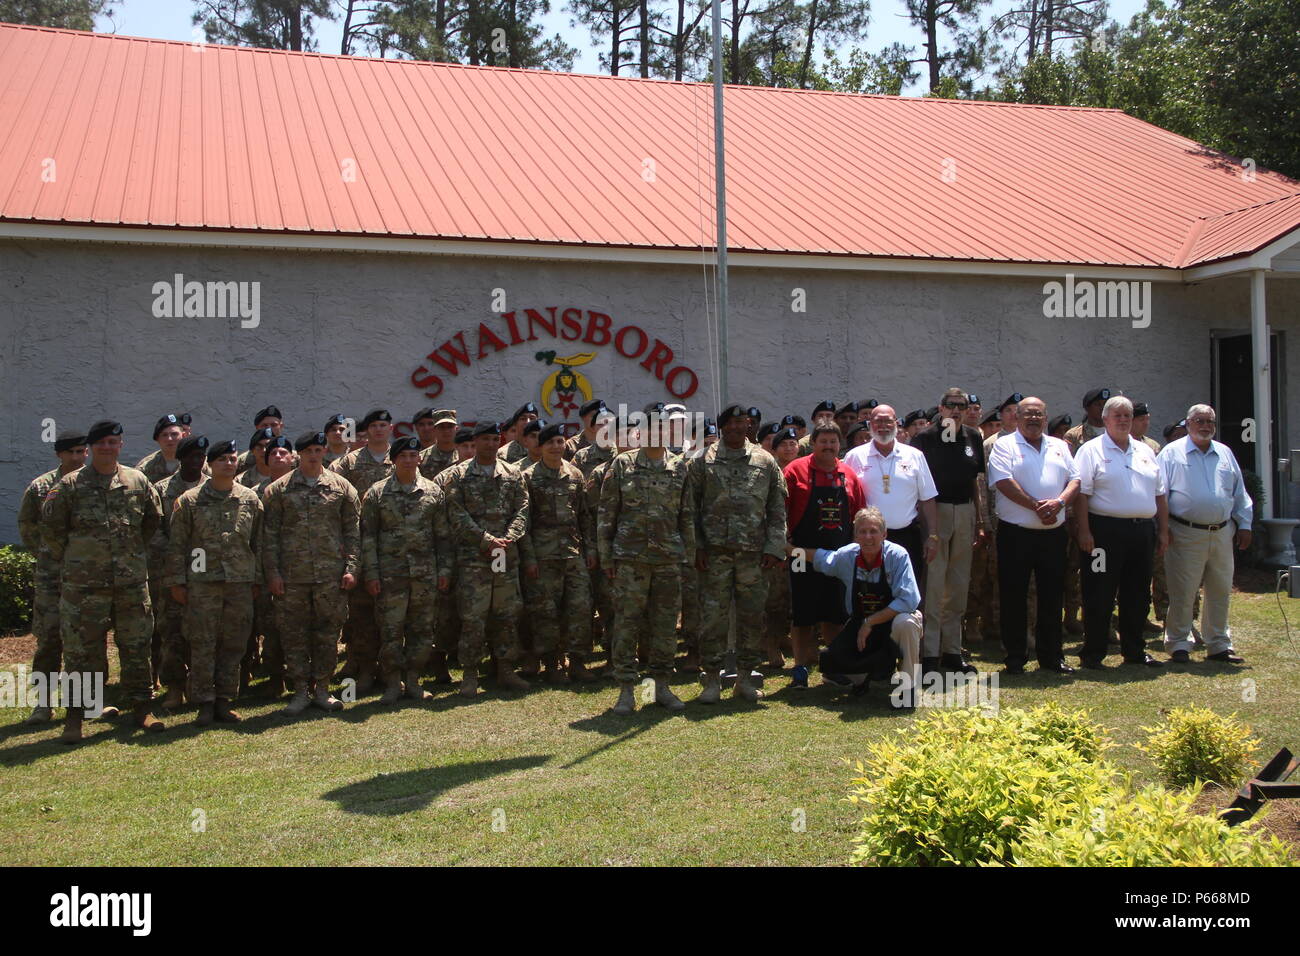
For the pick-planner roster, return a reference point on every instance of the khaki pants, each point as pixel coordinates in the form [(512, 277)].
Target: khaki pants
[(949, 580), (1195, 557)]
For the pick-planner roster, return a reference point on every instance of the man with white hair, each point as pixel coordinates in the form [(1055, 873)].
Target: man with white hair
[(1121, 489), (1208, 509)]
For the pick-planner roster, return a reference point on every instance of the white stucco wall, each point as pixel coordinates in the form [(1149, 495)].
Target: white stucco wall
[(345, 331)]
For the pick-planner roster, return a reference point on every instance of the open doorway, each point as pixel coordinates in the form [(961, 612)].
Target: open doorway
[(1233, 388)]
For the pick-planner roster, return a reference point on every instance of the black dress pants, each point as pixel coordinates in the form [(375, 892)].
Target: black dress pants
[(1121, 569), (1022, 551), (912, 539)]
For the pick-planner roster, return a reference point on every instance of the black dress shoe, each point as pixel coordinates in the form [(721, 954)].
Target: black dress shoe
[(1225, 657), (954, 664), (1145, 659), (1013, 668), (1060, 667), (1179, 657)]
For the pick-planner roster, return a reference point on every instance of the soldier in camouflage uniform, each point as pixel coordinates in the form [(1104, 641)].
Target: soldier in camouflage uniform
[(168, 433), (441, 455), (399, 565), (593, 461), (171, 647), (824, 413), (447, 622), (310, 555), (268, 417), (1159, 584), (590, 414), (556, 560), (488, 511), (213, 566), (513, 450), (738, 498), (280, 459), (1088, 429), (70, 448), (97, 523), (645, 528), (257, 446), (785, 449), (363, 467), (337, 430)]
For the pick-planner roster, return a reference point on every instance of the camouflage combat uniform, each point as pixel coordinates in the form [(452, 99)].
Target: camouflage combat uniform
[(738, 497), (97, 529), (311, 538), (593, 461), (362, 469), (45, 605), (559, 598), (227, 527), (645, 529), (433, 462), (513, 452), (447, 623), (265, 623), (481, 506), (171, 649), (398, 549)]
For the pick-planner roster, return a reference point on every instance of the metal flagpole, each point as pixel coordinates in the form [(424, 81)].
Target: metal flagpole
[(721, 181)]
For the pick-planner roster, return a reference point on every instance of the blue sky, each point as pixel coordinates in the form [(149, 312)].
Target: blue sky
[(170, 20)]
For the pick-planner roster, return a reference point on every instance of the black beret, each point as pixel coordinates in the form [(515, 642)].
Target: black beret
[(754, 413), (972, 398), (262, 434), (859, 427), (536, 425), (422, 414), (463, 435), (307, 439), (193, 443), (410, 443), (1096, 395), (487, 428), (595, 405), (1170, 429), (993, 416), (553, 430), (931, 413), (788, 421), (1015, 398), (824, 406), (335, 420), (910, 417), (66, 441), (102, 430), (167, 421), (785, 434), (279, 441), (869, 404), (185, 418), (710, 429), (217, 449), (730, 412), (1140, 408), (1058, 421), (269, 412), (655, 409), (846, 408), (376, 415), (528, 408), (771, 428)]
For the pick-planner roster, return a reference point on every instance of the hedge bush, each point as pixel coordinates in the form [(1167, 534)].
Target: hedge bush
[(960, 786), (1196, 744), (1150, 827), (17, 588)]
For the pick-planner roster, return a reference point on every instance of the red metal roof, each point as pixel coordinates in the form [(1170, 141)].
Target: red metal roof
[(166, 134)]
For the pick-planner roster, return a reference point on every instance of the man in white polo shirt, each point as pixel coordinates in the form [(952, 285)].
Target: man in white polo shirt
[(1121, 489), (1035, 479), (897, 480), (1208, 508)]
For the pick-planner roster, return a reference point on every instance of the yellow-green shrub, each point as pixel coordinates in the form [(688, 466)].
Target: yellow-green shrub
[(1194, 743)]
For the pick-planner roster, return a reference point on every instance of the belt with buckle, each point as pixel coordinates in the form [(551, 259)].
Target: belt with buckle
[(1199, 527)]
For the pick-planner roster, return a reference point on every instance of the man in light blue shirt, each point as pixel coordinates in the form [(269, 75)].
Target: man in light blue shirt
[(1208, 509)]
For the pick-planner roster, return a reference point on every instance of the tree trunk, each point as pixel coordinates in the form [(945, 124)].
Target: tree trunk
[(808, 47), (932, 44), (645, 39)]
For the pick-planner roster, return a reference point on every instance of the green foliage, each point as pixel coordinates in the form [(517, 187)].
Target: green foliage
[(17, 588), (1196, 744), (63, 14), (1150, 827), (960, 786)]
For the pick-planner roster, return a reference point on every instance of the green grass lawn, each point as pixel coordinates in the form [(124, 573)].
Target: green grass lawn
[(546, 777)]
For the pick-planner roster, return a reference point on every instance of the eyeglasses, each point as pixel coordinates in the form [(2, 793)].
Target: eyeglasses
[(1030, 416), (960, 406), (1203, 421)]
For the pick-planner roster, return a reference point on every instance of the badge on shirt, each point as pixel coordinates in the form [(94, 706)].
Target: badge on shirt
[(970, 452)]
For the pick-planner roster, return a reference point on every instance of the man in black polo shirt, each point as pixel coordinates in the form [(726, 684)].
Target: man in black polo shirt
[(955, 454)]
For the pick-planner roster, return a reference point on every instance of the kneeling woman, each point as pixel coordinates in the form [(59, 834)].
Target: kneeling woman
[(881, 598)]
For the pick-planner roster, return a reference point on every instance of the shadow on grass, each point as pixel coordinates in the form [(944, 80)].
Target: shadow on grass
[(392, 794)]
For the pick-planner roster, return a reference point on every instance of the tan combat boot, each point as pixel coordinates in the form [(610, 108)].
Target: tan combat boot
[(745, 688), (555, 670), (392, 688), (205, 714), (224, 714), (665, 697), (71, 727), (413, 689), (578, 672), (507, 677), (298, 704), (175, 698), (469, 683), (146, 720), (712, 688), (324, 699), (626, 700), (440, 673)]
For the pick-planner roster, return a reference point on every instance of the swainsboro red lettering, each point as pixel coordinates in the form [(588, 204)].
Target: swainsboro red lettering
[(620, 341)]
